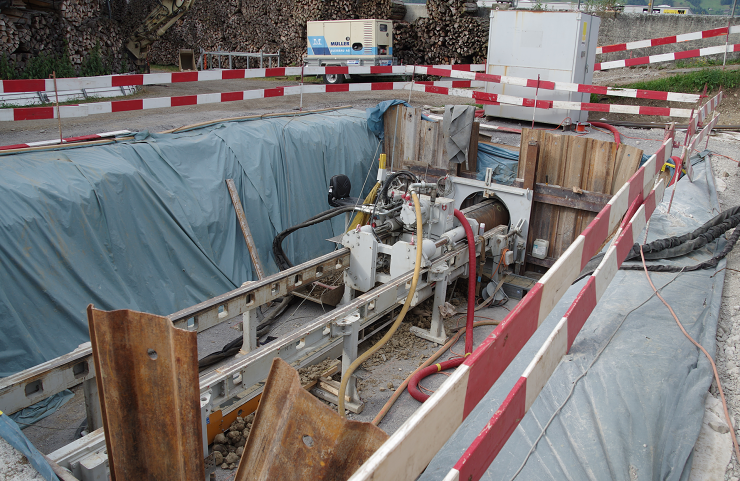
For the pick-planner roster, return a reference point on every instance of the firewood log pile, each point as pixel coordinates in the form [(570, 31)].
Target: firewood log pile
[(451, 34)]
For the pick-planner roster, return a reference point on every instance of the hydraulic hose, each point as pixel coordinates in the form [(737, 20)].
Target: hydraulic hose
[(414, 281), (419, 375), (610, 128)]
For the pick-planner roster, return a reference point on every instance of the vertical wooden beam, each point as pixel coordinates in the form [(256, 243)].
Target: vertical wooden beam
[(473, 148), (530, 168)]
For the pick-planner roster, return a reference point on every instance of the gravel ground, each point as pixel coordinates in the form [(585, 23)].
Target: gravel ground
[(15, 466)]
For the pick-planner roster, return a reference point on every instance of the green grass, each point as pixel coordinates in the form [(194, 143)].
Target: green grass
[(692, 82)]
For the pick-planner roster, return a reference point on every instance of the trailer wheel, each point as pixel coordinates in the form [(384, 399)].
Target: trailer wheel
[(333, 79)]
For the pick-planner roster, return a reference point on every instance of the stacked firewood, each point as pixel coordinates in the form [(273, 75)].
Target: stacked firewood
[(9, 38)]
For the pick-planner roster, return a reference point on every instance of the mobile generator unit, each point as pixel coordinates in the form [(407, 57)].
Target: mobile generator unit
[(354, 43)]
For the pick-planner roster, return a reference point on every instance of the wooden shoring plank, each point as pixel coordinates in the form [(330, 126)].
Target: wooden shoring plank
[(574, 163), (626, 162), (411, 120)]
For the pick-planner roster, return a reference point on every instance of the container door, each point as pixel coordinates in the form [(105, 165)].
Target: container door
[(384, 37)]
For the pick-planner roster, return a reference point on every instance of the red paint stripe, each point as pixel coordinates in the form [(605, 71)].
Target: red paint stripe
[(489, 361), (636, 182), (276, 92), (460, 84), (488, 77), (235, 74), (593, 89), (544, 104), (649, 94), (438, 72), (597, 67), (624, 244), (715, 32), (595, 234), (337, 88), (485, 97), (33, 85), (486, 446), (382, 86), (383, 69), (649, 204), (82, 138), (184, 77), (336, 70), (33, 113), (437, 90), (595, 107), (736, 47), (465, 67), (581, 308), (687, 54), (631, 62), (126, 105), (663, 41), (126, 80), (184, 100), (614, 48), (275, 72), (16, 146), (232, 96), (662, 111)]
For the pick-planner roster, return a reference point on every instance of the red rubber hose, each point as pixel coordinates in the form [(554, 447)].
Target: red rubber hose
[(677, 173), (413, 387), (610, 128)]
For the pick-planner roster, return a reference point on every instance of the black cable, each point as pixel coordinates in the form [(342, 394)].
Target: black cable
[(281, 259), (710, 264)]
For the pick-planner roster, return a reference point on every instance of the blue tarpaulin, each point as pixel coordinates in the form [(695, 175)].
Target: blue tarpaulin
[(148, 224)]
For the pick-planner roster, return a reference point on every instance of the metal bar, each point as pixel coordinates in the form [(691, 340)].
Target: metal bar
[(147, 378), (245, 226)]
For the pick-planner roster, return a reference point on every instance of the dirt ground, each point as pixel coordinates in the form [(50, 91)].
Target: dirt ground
[(396, 368)]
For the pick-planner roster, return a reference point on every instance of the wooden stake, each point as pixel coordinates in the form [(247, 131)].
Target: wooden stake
[(59, 118)]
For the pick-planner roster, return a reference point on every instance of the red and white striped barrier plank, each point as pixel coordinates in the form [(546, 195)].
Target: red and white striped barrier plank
[(667, 57), (692, 145), (408, 451), (484, 449), (496, 99), (654, 42), (76, 83), (82, 110), (563, 86), (704, 112), (82, 138)]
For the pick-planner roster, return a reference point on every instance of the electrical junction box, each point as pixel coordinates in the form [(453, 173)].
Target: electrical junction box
[(539, 248), (557, 46)]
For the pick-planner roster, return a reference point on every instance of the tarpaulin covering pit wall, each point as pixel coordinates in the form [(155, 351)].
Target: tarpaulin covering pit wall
[(148, 224)]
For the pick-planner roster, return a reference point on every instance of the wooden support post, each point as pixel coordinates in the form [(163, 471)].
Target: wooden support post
[(530, 167)]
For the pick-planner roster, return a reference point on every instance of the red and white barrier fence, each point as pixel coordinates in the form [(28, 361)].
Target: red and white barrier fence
[(408, 451), (564, 86), (654, 42), (82, 138), (47, 85), (692, 145), (439, 87), (667, 57), (496, 99), (704, 112)]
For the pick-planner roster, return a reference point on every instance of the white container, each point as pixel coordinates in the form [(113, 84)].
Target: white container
[(539, 248), (559, 46)]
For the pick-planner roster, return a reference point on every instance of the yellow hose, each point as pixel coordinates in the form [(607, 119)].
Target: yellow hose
[(414, 280)]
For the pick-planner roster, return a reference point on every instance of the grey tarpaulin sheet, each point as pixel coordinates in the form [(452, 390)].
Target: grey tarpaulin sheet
[(637, 412), (148, 224), (503, 162)]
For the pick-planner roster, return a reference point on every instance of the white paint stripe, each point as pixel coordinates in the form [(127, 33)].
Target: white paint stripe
[(205, 75), (208, 98), (648, 179), (659, 192), (559, 277), (43, 142), (156, 102), (619, 205), (254, 94), (607, 269), (360, 87), (453, 475), (71, 111), (408, 451), (7, 115), (544, 363), (638, 224)]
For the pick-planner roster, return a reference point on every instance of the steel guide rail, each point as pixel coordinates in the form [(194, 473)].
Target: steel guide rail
[(414, 444), (667, 57), (103, 81), (563, 86), (654, 42)]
